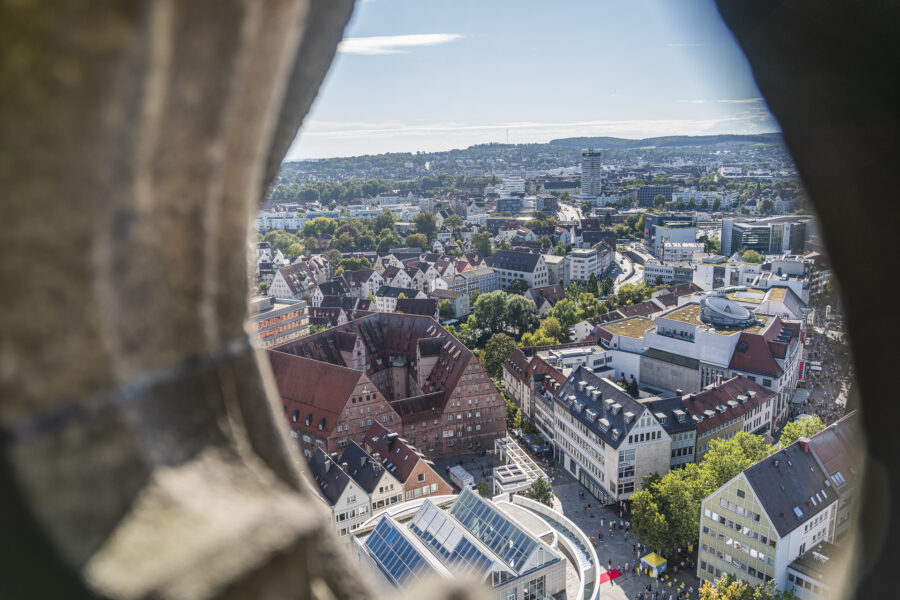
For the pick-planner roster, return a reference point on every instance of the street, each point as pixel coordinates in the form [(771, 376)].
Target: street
[(829, 387), (629, 272)]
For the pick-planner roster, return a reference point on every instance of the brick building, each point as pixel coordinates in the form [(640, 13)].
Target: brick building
[(405, 372), (406, 463)]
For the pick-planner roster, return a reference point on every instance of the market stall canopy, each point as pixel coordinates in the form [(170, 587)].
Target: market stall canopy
[(654, 560)]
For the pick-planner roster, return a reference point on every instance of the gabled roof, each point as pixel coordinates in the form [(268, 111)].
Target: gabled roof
[(386, 336), (525, 262), (396, 455), (330, 479), (362, 467), (753, 354), (394, 292), (517, 365), (348, 303), (331, 314), (427, 307), (839, 450), (791, 488), (605, 416), (334, 287), (737, 396), (551, 293), (667, 412), (359, 276), (312, 393)]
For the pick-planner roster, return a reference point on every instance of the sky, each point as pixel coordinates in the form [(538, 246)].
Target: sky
[(431, 75)]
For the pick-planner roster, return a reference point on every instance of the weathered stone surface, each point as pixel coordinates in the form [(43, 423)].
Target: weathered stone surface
[(142, 455)]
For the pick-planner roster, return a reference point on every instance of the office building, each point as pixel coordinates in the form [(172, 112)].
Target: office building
[(646, 194), (276, 321), (591, 172)]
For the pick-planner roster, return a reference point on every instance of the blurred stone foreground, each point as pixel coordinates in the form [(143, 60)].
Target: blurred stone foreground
[(139, 459)]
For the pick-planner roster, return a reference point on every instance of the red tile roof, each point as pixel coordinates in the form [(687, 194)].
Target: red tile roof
[(393, 451), (310, 390), (719, 395), (753, 353)]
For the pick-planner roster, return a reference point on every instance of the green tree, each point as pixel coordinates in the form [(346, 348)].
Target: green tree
[(496, 351), (659, 201), (417, 240), (586, 208), (454, 222), (541, 491), (521, 315), (607, 286), (752, 256), (717, 203), (482, 243), (446, 309), (559, 249), (333, 256), (385, 220), (549, 333), (727, 587), (294, 251), (316, 328), (805, 427), (632, 388), (766, 205), (352, 263), (726, 458), (482, 488), (704, 204), (593, 285), (426, 223), (517, 420), (564, 312), (263, 288), (489, 311), (519, 286), (320, 226)]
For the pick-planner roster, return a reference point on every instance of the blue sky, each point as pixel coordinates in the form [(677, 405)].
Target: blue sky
[(427, 75)]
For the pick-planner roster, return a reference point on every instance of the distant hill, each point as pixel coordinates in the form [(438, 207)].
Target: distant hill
[(671, 141)]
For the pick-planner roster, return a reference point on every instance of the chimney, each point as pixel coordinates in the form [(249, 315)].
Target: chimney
[(679, 393), (718, 380), (776, 462), (804, 443), (327, 465), (344, 466), (362, 460)]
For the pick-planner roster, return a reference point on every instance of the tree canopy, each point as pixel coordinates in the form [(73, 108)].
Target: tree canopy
[(727, 587), (805, 427), (666, 510), (752, 256), (496, 351), (541, 491)]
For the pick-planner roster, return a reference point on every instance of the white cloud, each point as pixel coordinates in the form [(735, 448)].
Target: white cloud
[(393, 44), (742, 101)]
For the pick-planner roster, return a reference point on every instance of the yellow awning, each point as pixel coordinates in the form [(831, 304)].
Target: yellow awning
[(653, 559)]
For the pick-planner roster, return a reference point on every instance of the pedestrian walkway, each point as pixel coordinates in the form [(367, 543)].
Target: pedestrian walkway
[(615, 551)]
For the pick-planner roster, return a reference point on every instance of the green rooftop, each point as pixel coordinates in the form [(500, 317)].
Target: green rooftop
[(633, 327), (690, 313)]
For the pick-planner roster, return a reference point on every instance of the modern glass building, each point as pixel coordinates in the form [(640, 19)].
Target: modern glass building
[(472, 537)]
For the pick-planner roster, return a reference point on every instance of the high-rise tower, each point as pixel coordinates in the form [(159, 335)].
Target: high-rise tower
[(590, 172)]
